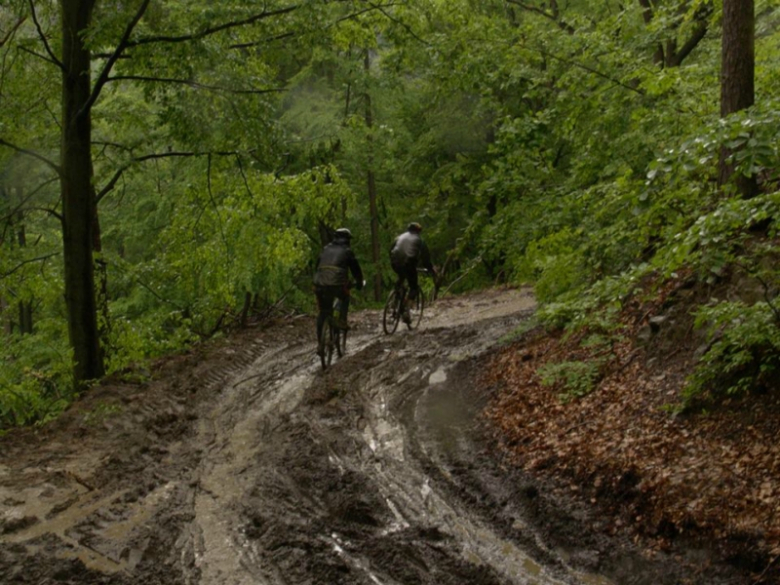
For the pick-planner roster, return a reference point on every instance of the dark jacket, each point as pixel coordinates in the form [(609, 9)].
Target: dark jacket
[(336, 261), (410, 250)]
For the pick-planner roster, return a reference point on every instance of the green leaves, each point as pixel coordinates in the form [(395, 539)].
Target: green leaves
[(743, 351), (575, 379)]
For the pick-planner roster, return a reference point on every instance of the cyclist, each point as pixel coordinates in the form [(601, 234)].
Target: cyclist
[(331, 280), (407, 253)]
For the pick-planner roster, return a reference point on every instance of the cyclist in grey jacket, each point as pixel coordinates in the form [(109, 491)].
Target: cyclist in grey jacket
[(407, 253), (331, 280)]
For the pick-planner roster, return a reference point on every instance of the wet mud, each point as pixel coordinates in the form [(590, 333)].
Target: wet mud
[(243, 463)]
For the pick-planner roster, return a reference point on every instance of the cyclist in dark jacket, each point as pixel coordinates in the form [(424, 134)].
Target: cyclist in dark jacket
[(407, 253), (331, 281)]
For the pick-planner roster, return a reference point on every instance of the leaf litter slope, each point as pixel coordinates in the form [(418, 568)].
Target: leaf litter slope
[(241, 462)]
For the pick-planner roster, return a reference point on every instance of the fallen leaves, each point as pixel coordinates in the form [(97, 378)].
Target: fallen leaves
[(715, 476)]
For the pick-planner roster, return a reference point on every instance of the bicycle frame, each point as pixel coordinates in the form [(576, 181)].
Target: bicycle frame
[(395, 308)]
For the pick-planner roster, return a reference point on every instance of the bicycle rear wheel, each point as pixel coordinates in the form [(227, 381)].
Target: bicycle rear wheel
[(326, 345), (341, 341), (416, 311), (392, 313), (339, 334)]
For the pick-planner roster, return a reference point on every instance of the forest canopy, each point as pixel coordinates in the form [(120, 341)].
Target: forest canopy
[(168, 167)]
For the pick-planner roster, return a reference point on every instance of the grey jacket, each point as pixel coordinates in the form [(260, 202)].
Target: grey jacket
[(410, 250)]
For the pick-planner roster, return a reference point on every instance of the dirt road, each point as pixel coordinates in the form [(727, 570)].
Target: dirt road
[(243, 463)]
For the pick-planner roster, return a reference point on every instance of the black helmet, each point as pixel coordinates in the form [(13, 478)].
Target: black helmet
[(343, 233), (414, 227)]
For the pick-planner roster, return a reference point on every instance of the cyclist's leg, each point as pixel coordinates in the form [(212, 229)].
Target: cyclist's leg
[(400, 273), (409, 275), (325, 303), (343, 297), (414, 283)]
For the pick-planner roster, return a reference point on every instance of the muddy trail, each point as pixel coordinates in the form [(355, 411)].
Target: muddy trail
[(243, 463)]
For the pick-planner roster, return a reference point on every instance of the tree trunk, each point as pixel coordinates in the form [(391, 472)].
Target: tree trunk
[(372, 196), (101, 283), (737, 87), (4, 206), (78, 202), (8, 325), (25, 307)]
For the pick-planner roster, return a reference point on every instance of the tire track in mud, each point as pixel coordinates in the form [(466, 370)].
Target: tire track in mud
[(324, 478), (254, 467), (92, 506)]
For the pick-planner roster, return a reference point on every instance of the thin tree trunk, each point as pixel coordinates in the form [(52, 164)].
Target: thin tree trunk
[(245, 309), (647, 16), (7, 322), (101, 266), (25, 307), (8, 325), (78, 202), (372, 196), (737, 88)]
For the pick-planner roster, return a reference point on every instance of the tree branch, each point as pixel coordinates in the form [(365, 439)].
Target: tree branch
[(121, 46), (553, 16), (51, 54), (193, 84), (32, 154), (11, 32), (30, 261), (25, 199), (691, 44), (403, 25), (49, 211), (289, 34), (768, 297), (120, 171), (279, 37), (219, 217), (585, 68), (42, 57), (214, 29)]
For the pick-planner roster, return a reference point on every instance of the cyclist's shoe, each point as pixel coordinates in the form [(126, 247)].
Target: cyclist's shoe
[(342, 324), (320, 350), (407, 317)]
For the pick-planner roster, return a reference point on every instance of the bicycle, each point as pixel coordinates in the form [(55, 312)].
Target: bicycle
[(394, 309), (333, 336)]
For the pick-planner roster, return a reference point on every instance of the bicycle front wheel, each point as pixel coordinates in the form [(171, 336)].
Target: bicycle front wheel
[(392, 313)]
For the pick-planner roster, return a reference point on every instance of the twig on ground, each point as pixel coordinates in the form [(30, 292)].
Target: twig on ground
[(764, 572)]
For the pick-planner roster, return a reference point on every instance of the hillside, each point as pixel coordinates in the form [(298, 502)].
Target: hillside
[(706, 476)]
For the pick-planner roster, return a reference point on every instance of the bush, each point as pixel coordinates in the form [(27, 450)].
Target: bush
[(743, 352), (577, 378)]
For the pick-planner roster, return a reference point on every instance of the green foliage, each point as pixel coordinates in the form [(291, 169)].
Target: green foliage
[(743, 351), (229, 235), (554, 263), (100, 413), (518, 333), (35, 380), (575, 378), (535, 146), (595, 307)]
